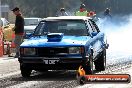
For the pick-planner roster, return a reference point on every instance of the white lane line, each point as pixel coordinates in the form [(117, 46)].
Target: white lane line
[(8, 75)]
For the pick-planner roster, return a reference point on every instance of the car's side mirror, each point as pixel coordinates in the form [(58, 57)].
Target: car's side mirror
[(94, 34)]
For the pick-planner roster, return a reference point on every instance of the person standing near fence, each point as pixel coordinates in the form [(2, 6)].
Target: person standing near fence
[(82, 11), (62, 12), (19, 30)]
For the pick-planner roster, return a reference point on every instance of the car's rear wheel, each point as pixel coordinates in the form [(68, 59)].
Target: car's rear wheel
[(100, 63), (25, 71)]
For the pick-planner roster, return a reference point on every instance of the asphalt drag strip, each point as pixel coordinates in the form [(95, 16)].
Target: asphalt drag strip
[(11, 77), (59, 79)]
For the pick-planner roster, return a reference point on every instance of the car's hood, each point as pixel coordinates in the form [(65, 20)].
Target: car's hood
[(42, 41), (30, 27)]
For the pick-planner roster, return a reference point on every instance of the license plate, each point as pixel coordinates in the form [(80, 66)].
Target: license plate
[(51, 61)]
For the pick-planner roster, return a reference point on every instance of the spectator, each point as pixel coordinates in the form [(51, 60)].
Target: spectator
[(107, 13), (82, 11), (62, 12), (19, 30)]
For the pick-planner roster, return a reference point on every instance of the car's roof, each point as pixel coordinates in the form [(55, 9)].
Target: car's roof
[(67, 18)]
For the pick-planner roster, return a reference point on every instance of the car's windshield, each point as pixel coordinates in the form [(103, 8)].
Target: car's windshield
[(29, 22), (68, 27)]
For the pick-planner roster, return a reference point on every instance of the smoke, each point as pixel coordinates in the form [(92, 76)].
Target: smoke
[(119, 33)]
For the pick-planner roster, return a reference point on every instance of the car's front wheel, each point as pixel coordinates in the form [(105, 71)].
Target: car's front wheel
[(25, 71), (88, 65), (81, 80)]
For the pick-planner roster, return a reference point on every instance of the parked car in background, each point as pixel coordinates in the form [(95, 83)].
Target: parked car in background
[(7, 30), (64, 43), (5, 22), (30, 25)]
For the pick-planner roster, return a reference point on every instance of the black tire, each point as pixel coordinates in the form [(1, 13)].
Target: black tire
[(25, 71), (81, 80), (88, 65), (100, 63)]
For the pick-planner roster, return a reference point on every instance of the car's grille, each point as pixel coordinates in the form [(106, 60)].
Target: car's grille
[(50, 52)]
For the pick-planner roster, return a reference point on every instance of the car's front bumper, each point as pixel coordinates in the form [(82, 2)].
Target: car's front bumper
[(55, 63)]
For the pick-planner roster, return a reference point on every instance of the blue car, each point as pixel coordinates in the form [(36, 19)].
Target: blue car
[(64, 43)]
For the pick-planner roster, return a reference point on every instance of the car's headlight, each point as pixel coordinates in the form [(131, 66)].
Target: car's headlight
[(28, 51), (76, 50)]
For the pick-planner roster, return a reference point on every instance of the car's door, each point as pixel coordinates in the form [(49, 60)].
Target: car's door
[(96, 38)]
